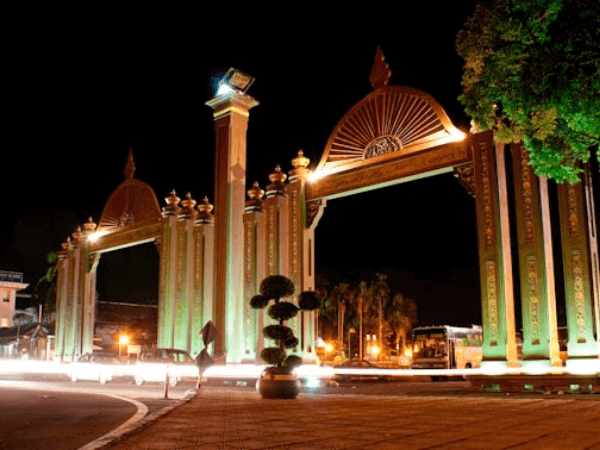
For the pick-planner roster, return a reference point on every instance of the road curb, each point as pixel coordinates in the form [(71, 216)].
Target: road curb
[(136, 423)]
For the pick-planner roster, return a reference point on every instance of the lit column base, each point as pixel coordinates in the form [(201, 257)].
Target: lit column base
[(583, 366), (498, 367), (538, 366)]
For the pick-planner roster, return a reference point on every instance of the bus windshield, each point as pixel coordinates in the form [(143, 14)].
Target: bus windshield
[(430, 343)]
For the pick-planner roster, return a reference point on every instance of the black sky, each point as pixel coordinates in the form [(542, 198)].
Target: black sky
[(80, 93)]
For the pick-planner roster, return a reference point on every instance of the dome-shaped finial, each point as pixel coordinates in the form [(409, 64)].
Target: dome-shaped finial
[(204, 216), (300, 160), (89, 226), (256, 192)]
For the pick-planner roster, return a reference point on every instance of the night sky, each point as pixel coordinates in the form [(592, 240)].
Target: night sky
[(79, 96)]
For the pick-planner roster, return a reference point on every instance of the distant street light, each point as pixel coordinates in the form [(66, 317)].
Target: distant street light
[(123, 340)]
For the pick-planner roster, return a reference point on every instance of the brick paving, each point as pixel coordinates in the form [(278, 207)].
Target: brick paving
[(236, 419)]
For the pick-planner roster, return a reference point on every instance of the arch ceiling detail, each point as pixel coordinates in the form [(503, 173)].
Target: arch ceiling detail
[(393, 134), (132, 205), (391, 121)]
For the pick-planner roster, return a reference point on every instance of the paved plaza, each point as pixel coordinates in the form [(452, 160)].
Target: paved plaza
[(235, 419)]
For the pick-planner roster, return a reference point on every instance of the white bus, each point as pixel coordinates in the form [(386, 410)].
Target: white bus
[(446, 347)]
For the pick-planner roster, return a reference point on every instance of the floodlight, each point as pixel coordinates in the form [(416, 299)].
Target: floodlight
[(235, 81)]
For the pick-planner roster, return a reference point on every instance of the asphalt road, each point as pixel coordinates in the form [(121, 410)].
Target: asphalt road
[(58, 414), (53, 413), (46, 419)]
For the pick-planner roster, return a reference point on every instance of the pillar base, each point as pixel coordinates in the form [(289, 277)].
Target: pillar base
[(539, 366), (583, 366), (498, 367)]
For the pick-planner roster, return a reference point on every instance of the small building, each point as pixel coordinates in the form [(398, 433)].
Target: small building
[(10, 284), (29, 341)]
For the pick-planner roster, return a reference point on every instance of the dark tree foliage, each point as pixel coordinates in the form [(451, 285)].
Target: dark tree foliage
[(274, 288), (532, 73)]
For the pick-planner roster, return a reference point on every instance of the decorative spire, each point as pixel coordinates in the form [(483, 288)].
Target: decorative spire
[(172, 204), (77, 234), (188, 206), (380, 73), (256, 192), (254, 203), (276, 187), (89, 226), (300, 160), (130, 167), (204, 216)]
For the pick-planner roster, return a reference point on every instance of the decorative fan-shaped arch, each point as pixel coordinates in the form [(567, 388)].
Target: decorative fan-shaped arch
[(392, 120), (132, 204)]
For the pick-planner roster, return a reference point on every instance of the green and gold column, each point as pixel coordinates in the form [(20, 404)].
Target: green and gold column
[(231, 112), (497, 303), (168, 272), (538, 300), (253, 320), (582, 347)]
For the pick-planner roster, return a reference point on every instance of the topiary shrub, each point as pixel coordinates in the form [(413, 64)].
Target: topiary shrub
[(274, 288)]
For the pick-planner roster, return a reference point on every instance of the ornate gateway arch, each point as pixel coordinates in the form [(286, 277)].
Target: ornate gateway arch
[(210, 267)]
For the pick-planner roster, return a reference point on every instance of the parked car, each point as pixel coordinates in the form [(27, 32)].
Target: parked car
[(358, 370), (158, 364), (102, 367)]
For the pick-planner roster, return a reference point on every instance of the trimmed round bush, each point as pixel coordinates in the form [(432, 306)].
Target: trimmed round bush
[(291, 342), (292, 361), (276, 287), (272, 355), (283, 311), (278, 332), (259, 301), (309, 300)]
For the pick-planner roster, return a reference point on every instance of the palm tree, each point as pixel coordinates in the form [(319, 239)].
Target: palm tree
[(381, 293), (401, 313), (45, 289)]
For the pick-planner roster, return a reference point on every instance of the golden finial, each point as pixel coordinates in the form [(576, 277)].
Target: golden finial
[(77, 234), (188, 206), (380, 73), (256, 192), (204, 216), (205, 206), (300, 160), (278, 176), (89, 226), (189, 202), (130, 167), (172, 200)]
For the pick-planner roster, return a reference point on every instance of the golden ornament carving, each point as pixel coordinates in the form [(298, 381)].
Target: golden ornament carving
[(181, 253), (272, 238), (578, 296), (199, 243), (492, 301), (295, 232), (527, 178), (466, 177), (534, 301), (572, 211)]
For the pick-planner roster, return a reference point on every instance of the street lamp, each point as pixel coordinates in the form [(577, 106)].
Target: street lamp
[(350, 331), (123, 340)]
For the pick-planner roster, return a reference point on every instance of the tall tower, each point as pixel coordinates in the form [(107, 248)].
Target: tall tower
[(231, 111)]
